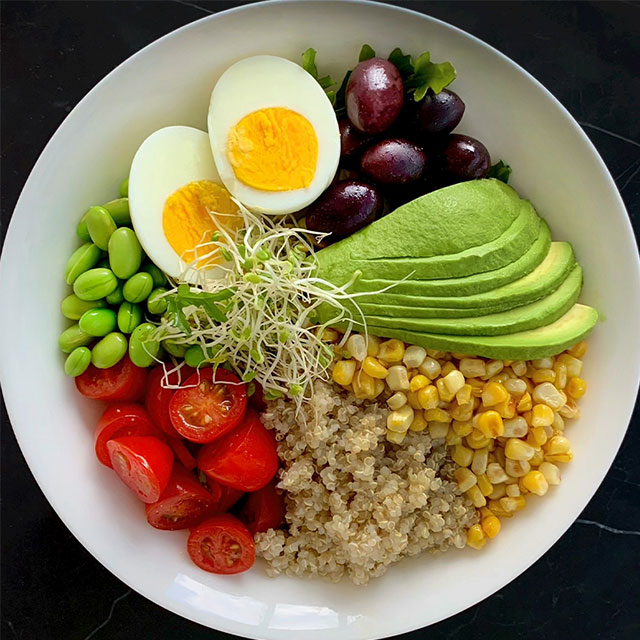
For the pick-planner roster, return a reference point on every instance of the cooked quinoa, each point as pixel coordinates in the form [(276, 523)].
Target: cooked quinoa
[(356, 503)]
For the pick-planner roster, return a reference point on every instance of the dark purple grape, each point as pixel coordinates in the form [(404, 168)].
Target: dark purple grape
[(352, 142), (374, 95), (344, 208), (394, 162), (439, 113), (464, 158)]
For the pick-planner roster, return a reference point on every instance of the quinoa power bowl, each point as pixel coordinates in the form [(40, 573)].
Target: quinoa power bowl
[(327, 332)]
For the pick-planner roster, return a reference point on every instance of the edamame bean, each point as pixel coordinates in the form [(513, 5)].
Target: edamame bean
[(142, 349), (119, 210), (82, 231), (129, 317), (115, 297), (101, 225), (156, 274), (124, 188), (77, 361), (73, 337), (82, 259), (174, 349), (156, 304), (95, 284), (125, 253), (109, 351), (73, 308), (138, 287), (98, 322), (194, 356)]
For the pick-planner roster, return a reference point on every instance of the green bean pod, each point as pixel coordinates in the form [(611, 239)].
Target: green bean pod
[(101, 225), (129, 317), (82, 259), (119, 210), (158, 277), (115, 297), (73, 308), (98, 322), (73, 337), (142, 349), (95, 284), (109, 351), (174, 349), (138, 287), (155, 304), (125, 253), (77, 361), (82, 230)]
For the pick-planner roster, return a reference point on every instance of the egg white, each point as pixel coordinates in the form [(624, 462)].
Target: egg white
[(261, 82), (167, 160)]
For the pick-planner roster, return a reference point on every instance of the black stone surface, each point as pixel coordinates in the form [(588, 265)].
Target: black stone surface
[(586, 53)]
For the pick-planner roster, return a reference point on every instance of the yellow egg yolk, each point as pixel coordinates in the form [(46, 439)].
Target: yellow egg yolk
[(186, 220), (273, 149)]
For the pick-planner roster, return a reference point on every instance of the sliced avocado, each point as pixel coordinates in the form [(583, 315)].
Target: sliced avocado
[(544, 341), (469, 285), (529, 316), (546, 278)]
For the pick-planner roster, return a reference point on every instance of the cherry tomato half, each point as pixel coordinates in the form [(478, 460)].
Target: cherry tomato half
[(183, 504), (120, 420), (157, 398), (143, 463), (124, 382), (208, 406), (263, 509), (182, 453), (228, 496), (256, 399), (244, 459), (222, 544)]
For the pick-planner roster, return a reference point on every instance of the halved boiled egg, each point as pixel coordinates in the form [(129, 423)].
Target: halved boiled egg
[(274, 134), (173, 189)]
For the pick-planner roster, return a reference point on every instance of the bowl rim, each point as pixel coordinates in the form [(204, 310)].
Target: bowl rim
[(233, 627)]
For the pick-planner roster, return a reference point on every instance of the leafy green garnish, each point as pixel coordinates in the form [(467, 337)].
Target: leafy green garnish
[(339, 104), (501, 171), (403, 62), (185, 297), (309, 65), (366, 53), (429, 75)]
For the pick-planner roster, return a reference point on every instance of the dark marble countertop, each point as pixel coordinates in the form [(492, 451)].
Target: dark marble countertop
[(586, 54)]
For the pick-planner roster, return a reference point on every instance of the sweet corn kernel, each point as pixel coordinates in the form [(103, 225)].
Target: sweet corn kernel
[(374, 368), (397, 378), (541, 415), (539, 435), (475, 495), (397, 400), (496, 473), (465, 478), (462, 455), (494, 393), (558, 422), (528, 416), (511, 505), (414, 356), (557, 444), (506, 409), (513, 490), (443, 391), (472, 367), (363, 385), (357, 346), (570, 410), (396, 436), (462, 413), (576, 387), (519, 367), (535, 482), (525, 403), (491, 526), (463, 395), (574, 366), (485, 485), (530, 439), (430, 367), (439, 430), (578, 350), (373, 346), (559, 457), (550, 472), (437, 415), (412, 399), (480, 461), (516, 468), (515, 428), (452, 438), (501, 459), (546, 393), (447, 368), (401, 419), (329, 335), (477, 440), (343, 372), (543, 375), (476, 539), (493, 368), (378, 387), (499, 491), (518, 450), (418, 382), (391, 351), (462, 428), (454, 381), (428, 397), (516, 387), (542, 363), (419, 423), (561, 375), (490, 424), (537, 458), (485, 512)]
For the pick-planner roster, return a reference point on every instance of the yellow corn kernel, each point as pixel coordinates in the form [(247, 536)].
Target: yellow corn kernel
[(542, 415), (373, 346), (494, 393), (525, 403), (462, 428), (454, 381), (491, 526), (430, 368), (513, 490), (447, 368), (576, 387), (428, 397), (561, 375), (414, 356), (412, 399), (396, 436), (363, 385), (490, 424), (475, 495), (501, 459), (535, 482), (516, 469), (397, 400), (485, 485), (378, 387), (437, 415), (465, 478), (462, 413), (516, 449), (418, 382), (443, 391), (499, 491), (539, 435), (391, 351), (578, 350), (507, 409), (530, 439), (543, 375), (401, 419), (476, 538), (329, 335), (559, 457), (480, 461), (511, 505), (550, 472), (419, 423), (477, 440), (375, 369), (496, 508), (574, 366), (344, 371), (462, 455), (557, 445), (570, 410), (472, 367), (463, 395), (485, 512), (538, 458), (495, 473), (452, 438), (397, 378)]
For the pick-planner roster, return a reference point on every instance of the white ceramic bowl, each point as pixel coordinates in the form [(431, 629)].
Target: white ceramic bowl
[(169, 82)]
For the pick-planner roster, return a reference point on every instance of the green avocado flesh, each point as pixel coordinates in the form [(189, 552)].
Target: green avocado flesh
[(549, 340), (546, 278)]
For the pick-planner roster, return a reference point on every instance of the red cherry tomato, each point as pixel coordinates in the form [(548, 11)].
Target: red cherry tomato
[(228, 496), (183, 504), (208, 406), (157, 397), (256, 399), (182, 453), (263, 509), (143, 463), (124, 382), (222, 544), (120, 420), (244, 459)]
